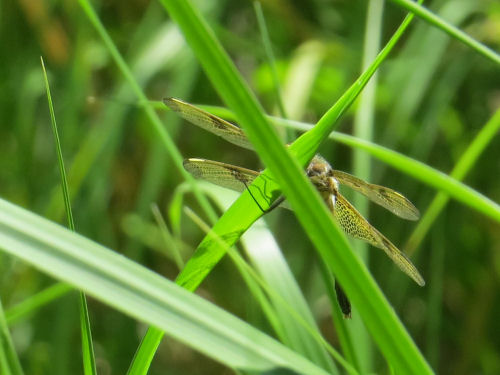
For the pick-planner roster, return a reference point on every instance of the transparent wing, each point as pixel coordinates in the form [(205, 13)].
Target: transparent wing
[(222, 174), (356, 226), (209, 122), (387, 198)]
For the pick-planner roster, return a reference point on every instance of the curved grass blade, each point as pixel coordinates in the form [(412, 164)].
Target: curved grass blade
[(456, 33)]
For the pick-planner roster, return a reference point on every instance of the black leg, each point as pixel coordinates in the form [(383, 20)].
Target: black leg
[(275, 204)]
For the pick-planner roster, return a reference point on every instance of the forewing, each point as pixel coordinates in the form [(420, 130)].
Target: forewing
[(209, 122), (355, 225), (387, 198), (225, 175)]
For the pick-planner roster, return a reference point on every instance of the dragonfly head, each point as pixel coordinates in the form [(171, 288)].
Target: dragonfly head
[(321, 174)]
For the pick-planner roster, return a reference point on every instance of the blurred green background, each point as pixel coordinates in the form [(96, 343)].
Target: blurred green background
[(433, 97)]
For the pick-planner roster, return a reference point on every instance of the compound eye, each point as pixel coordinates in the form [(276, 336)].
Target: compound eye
[(316, 170)]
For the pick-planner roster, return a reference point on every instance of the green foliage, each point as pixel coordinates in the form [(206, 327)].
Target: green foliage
[(432, 111)]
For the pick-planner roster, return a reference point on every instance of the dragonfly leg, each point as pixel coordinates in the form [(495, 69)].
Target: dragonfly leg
[(275, 204)]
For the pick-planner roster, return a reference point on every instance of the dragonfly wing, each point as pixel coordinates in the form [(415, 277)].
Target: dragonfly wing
[(222, 174), (387, 198), (355, 225), (209, 122)]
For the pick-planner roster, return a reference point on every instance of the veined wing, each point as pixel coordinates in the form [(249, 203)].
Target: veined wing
[(356, 226), (387, 198), (222, 174), (209, 122)]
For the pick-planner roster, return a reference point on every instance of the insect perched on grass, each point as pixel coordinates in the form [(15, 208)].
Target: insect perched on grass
[(324, 178)]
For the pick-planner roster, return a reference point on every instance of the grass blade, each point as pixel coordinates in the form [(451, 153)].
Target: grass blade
[(35, 302), (9, 361), (266, 42), (456, 33), (87, 346), (463, 166), (361, 163), (164, 137)]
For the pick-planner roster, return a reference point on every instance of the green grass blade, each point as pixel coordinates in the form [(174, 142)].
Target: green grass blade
[(158, 127), (29, 306), (463, 166), (145, 352), (87, 346), (379, 317), (142, 294), (168, 238), (9, 361), (89, 366), (62, 171), (266, 42), (456, 33), (364, 119)]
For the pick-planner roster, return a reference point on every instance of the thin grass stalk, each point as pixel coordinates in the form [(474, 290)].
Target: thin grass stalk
[(363, 129), (88, 356)]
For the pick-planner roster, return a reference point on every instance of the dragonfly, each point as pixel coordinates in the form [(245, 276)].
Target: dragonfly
[(324, 178)]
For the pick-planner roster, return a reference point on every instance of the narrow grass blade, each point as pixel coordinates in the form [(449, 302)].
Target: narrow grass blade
[(361, 166), (9, 361), (468, 159), (266, 42), (31, 305), (456, 33), (158, 127), (87, 346), (164, 138), (145, 352), (168, 237)]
